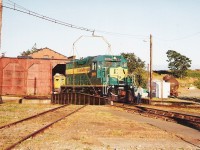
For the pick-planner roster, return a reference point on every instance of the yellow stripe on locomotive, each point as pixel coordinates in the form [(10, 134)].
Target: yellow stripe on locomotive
[(78, 70)]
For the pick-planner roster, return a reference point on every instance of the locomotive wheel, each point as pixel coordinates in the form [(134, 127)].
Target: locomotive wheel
[(112, 95)]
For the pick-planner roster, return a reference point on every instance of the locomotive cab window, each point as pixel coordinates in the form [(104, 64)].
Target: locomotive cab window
[(124, 64), (116, 64), (94, 66), (100, 65)]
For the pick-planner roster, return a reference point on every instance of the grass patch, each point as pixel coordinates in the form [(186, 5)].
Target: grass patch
[(116, 133), (197, 83), (193, 73)]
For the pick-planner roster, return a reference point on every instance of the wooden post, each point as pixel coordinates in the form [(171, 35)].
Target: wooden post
[(1, 10), (150, 68), (1, 101)]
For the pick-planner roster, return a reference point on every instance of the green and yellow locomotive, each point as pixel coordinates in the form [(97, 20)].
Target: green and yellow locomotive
[(103, 75)]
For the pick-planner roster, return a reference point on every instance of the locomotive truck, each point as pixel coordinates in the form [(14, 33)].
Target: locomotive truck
[(102, 75)]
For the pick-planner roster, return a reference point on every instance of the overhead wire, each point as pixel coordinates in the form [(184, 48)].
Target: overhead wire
[(21, 9), (122, 34)]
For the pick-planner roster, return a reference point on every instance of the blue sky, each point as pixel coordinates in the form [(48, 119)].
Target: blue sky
[(174, 25)]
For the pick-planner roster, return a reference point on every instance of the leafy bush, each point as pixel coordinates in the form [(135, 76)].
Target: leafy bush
[(197, 83)]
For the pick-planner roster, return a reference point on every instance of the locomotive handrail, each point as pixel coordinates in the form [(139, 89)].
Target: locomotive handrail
[(109, 47), (102, 37)]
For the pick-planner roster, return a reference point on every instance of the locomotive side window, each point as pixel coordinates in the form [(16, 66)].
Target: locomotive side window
[(94, 66), (69, 66), (124, 64), (116, 64), (108, 63), (100, 64)]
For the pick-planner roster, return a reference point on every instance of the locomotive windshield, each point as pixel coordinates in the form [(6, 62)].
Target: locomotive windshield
[(114, 64)]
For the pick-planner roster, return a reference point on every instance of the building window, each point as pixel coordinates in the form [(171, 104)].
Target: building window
[(46, 56)]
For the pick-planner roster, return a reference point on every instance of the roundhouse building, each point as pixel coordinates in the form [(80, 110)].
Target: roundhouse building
[(31, 75)]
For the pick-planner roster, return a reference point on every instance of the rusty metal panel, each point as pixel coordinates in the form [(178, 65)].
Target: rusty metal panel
[(26, 76), (13, 78), (39, 78), (1, 75)]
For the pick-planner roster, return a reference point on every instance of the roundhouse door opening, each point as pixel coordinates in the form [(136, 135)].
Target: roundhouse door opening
[(59, 68)]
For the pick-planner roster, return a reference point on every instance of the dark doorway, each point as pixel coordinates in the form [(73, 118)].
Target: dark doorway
[(59, 68)]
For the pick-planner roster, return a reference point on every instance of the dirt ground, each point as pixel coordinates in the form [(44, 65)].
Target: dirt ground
[(99, 127), (12, 111), (189, 92)]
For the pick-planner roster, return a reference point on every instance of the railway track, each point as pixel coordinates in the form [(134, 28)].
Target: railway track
[(189, 120), (15, 133), (31, 117)]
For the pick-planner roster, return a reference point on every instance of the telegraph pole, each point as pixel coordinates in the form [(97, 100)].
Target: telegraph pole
[(150, 95), (1, 8), (1, 101)]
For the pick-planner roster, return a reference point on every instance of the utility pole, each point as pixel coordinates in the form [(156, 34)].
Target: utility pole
[(150, 95), (1, 8), (1, 101)]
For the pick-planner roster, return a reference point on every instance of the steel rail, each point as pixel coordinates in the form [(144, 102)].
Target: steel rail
[(31, 117), (167, 113), (192, 121), (41, 130)]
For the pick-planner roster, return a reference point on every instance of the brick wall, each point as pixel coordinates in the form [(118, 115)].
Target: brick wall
[(47, 53)]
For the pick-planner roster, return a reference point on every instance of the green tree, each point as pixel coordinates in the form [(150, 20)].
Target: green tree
[(136, 68), (178, 64), (28, 52)]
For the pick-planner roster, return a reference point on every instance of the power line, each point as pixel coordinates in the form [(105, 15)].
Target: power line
[(123, 34), (21, 9)]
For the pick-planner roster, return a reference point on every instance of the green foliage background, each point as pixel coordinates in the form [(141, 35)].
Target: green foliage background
[(136, 69), (193, 74), (197, 83), (178, 64)]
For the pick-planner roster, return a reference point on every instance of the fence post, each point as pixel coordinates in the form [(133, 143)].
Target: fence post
[(99, 100), (84, 99), (52, 98), (67, 98), (79, 97)]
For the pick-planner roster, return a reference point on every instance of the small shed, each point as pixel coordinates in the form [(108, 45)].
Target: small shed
[(160, 89)]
